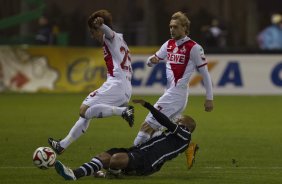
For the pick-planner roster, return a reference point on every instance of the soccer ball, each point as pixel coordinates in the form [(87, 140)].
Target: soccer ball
[(44, 157)]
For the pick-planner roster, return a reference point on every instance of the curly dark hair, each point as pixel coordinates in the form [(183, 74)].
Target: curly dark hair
[(105, 14)]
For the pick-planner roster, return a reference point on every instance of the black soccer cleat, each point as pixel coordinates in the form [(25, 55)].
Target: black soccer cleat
[(128, 115), (55, 145)]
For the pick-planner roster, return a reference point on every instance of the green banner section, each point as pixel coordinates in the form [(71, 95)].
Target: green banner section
[(24, 17)]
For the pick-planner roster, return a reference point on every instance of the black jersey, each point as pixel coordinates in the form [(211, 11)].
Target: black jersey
[(155, 152)]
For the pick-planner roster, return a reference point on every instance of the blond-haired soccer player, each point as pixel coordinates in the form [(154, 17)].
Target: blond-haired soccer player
[(113, 96), (183, 56)]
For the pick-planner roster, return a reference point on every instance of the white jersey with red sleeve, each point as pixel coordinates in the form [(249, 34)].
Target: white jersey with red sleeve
[(117, 89), (182, 58), (117, 57)]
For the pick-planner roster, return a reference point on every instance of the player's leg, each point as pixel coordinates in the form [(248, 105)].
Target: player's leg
[(96, 164), (144, 134), (109, 100), (104, 110), (118, 161), (76, 131), (167, 104)]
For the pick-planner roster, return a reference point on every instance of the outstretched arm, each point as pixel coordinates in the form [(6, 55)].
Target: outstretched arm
[(160, 117)]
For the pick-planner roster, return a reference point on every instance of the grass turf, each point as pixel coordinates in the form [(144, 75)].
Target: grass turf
[(240, 141)]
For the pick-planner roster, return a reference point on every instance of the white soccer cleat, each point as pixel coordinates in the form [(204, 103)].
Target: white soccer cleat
[(64, 171)]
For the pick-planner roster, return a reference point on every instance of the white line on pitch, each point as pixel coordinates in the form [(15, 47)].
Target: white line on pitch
[(216, 167), (239, 167)]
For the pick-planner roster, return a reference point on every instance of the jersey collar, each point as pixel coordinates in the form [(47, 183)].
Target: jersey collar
[(181, 41)]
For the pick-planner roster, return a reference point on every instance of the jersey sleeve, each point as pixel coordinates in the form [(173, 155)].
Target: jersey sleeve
[(207, 82), (108, 32), (162, 53), (199, 58)]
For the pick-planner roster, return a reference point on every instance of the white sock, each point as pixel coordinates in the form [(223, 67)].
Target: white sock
[(157, 133), (77, 130), (141, 138), (101, 111)]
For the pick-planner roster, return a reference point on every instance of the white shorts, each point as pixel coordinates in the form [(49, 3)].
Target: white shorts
[(115, 93), (172, 105)]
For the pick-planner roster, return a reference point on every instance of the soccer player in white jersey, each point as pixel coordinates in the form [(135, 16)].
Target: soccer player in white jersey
[(182, 56), (113, 96)]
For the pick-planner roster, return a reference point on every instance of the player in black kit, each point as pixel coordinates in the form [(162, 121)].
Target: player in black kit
[(143, 159)]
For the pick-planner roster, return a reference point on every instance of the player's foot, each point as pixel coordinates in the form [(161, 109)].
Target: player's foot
[(64, 171), (128, 115), (191, 154), (56, 146)]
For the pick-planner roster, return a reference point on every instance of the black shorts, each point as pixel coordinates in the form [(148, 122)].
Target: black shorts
[(137, 164)]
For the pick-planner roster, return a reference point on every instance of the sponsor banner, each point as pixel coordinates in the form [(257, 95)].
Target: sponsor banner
[(231, 75), (54, 69), (51, 69), (245, 74), (62, 69)]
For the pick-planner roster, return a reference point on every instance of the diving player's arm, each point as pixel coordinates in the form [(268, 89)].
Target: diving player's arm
[(160, 117)]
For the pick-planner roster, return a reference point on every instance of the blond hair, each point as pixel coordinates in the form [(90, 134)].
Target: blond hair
[(183, 19)]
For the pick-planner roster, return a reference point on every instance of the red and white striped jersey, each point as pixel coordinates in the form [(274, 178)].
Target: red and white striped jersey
[(182, 58), (117, 57)]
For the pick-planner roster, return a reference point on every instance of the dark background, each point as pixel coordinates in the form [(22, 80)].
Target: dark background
[(145, 22)]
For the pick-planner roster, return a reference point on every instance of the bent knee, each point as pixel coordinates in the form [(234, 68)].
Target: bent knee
[(145, 127), (119, 160), (83, 108)]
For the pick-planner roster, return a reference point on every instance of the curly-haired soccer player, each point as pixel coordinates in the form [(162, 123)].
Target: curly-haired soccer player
[(113, 96)]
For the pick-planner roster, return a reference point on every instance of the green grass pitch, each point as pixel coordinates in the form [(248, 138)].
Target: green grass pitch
[(240, 141)]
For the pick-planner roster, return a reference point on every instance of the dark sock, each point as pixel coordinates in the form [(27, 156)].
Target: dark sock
[(78, 173)]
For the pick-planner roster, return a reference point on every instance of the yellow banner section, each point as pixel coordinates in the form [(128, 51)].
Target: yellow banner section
[(55, 69), (78, 69)]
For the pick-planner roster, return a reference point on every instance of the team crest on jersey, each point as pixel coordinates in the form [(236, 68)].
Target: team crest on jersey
[(183, 50), (175, 50), (202, 54)]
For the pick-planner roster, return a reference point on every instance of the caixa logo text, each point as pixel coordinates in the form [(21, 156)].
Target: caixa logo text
[(230, 75)]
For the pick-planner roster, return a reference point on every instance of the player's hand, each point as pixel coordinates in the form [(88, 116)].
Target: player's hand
[(142, 102), (154, 60), (98, 22), (208, 105)]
